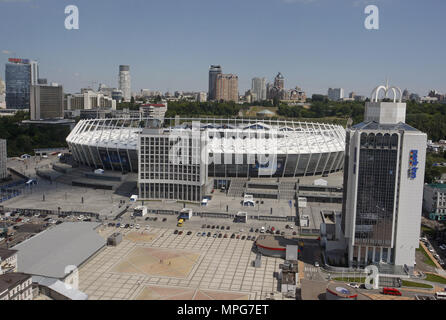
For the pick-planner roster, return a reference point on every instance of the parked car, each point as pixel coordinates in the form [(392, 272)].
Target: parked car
[(233, 236), (155, 219), (203, 234), (225, 236), (228, 228), (208, 226), (137, 226), (213, 227), (243, 237), (248, 238), (220, 235), (189, 233), (180, 232), (316, 264), (251, 230), (215, 235), (209, 234), (175, 232), (198, 234), (238, 236), (222, 228), (127, 226), (164, 219), (294, 233)]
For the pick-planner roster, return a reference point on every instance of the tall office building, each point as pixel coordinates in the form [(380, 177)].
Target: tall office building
[(383, 185), (124, 82), (3, 158), (214, 71), (46, 102), (20, 75), (335, 94), (226, 88), (258, 88)]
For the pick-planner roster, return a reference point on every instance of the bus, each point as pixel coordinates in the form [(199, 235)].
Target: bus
[(440, 295), (180, 223), (392, 291)]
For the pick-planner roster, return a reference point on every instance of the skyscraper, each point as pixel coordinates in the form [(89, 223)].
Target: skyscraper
[(124, 82), (258, 87), (226, 88), (383, 185), (20, 75), (214, 70)]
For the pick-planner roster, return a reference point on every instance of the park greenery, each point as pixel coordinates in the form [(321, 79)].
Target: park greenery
[(24, 138)]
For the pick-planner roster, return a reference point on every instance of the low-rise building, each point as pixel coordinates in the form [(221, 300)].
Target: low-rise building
[(153, 110), (8, 261), (434, 201), (16, 286)]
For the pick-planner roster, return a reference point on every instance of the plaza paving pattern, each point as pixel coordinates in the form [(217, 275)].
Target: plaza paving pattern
[(158, 262), (168, 293), (200, 268)]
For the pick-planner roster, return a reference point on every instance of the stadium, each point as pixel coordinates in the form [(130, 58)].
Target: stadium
[(302, 148), (298, 148)]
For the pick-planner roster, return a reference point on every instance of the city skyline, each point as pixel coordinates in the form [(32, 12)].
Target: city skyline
[(166, 59)]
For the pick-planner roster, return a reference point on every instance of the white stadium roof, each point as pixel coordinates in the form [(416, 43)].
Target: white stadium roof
[(223, 135)]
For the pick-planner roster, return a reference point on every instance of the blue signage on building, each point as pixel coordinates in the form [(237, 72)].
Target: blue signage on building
[(413, 164)]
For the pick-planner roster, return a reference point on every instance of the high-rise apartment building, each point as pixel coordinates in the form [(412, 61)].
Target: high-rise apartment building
[(226, 88), (258, 88), (46, 102), (335, 94), (383, 185), (214, 71), (20, 75), (124, 82)]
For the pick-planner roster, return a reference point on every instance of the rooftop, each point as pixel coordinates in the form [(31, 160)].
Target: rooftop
[(51, 251), (438, 185), (10, 280), (6, 253), (372, 125)]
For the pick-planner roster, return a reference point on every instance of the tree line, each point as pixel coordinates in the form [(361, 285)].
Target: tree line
[(24, 138)]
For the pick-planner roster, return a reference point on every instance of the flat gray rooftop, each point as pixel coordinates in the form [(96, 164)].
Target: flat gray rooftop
[(49, 252)]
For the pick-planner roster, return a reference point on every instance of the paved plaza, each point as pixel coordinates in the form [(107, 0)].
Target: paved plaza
[(216, 268)]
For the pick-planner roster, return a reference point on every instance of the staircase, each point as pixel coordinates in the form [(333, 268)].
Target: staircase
[(237, 188)]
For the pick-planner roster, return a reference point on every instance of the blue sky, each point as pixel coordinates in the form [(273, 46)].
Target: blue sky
[(169, 44)]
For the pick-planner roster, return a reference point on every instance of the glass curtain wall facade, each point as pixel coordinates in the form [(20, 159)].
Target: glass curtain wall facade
[(18, 84)]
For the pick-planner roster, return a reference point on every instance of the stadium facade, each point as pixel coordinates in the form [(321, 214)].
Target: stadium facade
[(177, 159)]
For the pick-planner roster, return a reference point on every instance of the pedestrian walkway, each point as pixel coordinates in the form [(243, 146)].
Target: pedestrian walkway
[(430, 255)]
